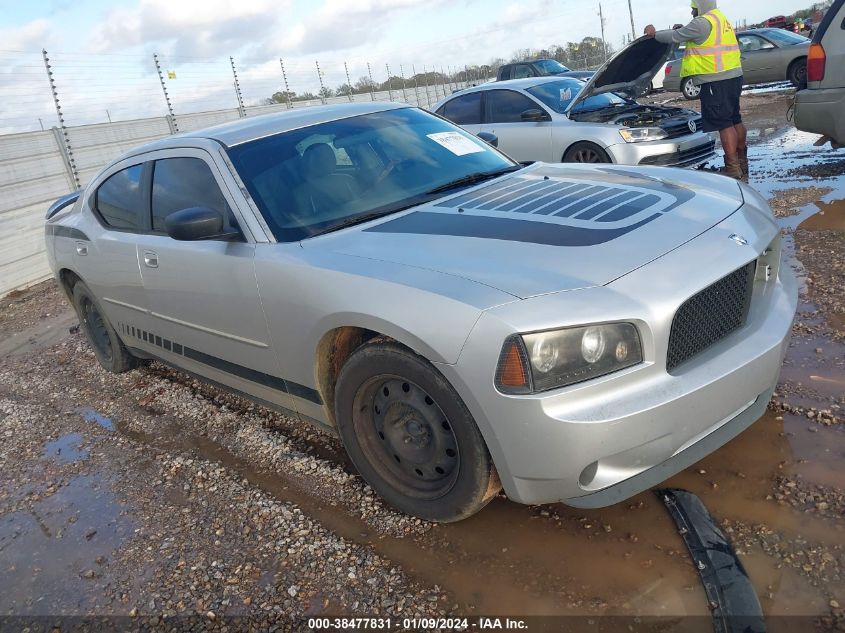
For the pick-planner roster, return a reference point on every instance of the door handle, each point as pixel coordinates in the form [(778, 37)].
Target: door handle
[(151, 259), (81, 248)]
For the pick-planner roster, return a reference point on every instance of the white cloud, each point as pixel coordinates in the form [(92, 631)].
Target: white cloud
[(29, 37), (194, 28)]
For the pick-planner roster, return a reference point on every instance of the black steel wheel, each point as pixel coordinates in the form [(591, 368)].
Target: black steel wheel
[(110, 351), (410, 436), (585, 152)]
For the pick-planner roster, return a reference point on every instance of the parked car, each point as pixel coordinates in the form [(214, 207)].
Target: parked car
[(539, 68), (768, 55), (777, 22), (577, 333), (559, 119), (820, 107)]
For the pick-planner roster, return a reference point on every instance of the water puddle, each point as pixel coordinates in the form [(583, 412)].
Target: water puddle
[(829, 216), (66, 449), (90, 415), (54, 557)]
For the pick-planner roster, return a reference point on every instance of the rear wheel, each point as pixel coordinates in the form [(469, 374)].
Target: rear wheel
[(111, 353), (797, 73), (689, 89), (410, 436), (586, 152)]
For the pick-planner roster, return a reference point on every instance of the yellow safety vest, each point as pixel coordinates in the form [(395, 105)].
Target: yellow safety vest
[(719, 52)]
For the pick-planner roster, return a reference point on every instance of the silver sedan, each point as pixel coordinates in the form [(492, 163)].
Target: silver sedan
[(538, 119), (575, 333)]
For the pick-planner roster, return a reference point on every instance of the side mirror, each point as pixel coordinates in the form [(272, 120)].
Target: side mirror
[(534, 114), (196, 223), (489, 138)]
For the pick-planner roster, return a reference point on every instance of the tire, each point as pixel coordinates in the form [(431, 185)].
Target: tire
[(797, 73), (110, 351), (586, 152), (689, 89), (410, 436)]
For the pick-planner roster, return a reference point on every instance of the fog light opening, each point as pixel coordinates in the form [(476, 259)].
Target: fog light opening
[(588, 474)]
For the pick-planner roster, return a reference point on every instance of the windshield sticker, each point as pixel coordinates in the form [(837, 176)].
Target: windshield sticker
[(566, 94), (456, 143)]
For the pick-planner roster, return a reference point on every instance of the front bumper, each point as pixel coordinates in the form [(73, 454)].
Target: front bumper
[(689, 151), (821, 111), (599, 442)]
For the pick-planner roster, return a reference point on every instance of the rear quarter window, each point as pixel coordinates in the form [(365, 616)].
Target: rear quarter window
[(119, 201)]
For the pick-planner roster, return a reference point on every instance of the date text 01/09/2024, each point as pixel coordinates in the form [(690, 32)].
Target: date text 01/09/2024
[(413, 624)]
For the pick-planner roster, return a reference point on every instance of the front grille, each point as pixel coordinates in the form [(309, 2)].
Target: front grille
[(710, 315), (676, 128), (685, 158)]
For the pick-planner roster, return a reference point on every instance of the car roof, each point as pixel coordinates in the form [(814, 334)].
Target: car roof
[(255, 127), (522, 84)]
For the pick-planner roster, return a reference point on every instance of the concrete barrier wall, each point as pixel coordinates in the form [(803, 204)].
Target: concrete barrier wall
[(34, 170)]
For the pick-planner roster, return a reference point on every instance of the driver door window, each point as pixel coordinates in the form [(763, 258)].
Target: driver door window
[(181, 183), (507, 106)]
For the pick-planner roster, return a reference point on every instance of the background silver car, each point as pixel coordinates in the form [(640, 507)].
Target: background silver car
[(768, 55), (557, 119), (574, 333)]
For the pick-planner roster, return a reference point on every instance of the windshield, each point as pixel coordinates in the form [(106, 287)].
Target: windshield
[(559, 94), (785, 38), (550, 66), (306, 180)]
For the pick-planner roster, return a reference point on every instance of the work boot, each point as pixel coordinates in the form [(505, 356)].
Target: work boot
[(732, 167), (742, 153)]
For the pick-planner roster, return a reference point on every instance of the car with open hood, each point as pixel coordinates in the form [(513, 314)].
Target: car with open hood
[(560, 119), (573, 333)]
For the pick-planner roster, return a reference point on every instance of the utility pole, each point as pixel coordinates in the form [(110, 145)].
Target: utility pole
[(285, 77), (348, 80), (372, 83), (322, 87), (633, 30), (603, 43), (241, 108), (389, 90), (171, 121), (61, 133)]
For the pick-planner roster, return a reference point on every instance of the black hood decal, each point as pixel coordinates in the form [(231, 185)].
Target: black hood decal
[(559, 212)]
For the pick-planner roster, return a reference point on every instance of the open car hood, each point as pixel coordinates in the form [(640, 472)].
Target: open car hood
[(629, 71)]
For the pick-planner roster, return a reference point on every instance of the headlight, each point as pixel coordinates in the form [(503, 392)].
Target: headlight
[(531, 363), (635, 134)]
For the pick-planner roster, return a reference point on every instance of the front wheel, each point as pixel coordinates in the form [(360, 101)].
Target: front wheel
[(586, 152), (410, 436), (689, 89)]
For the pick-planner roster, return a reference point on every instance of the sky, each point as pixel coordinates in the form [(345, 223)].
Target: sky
[(101, 51)]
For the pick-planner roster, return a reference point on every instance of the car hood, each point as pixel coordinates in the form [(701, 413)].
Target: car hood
[(629, 71), (547, 228)]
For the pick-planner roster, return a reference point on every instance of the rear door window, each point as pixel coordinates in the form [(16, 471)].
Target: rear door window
[(181, 183), (464, 110), (120, 200)]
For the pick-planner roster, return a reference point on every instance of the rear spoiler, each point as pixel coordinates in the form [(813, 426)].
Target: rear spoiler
[(62, 203)]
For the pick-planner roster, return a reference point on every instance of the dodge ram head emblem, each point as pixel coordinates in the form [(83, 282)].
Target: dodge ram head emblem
[(738, 239)]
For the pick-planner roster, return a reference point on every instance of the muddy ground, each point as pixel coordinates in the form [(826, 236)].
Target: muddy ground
[(152, 497)]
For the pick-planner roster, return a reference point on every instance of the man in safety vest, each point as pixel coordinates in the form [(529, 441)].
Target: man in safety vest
[(712, 59)]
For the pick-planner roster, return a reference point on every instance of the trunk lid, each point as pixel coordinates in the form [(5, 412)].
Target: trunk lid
[(629, 71), (548, 228)]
